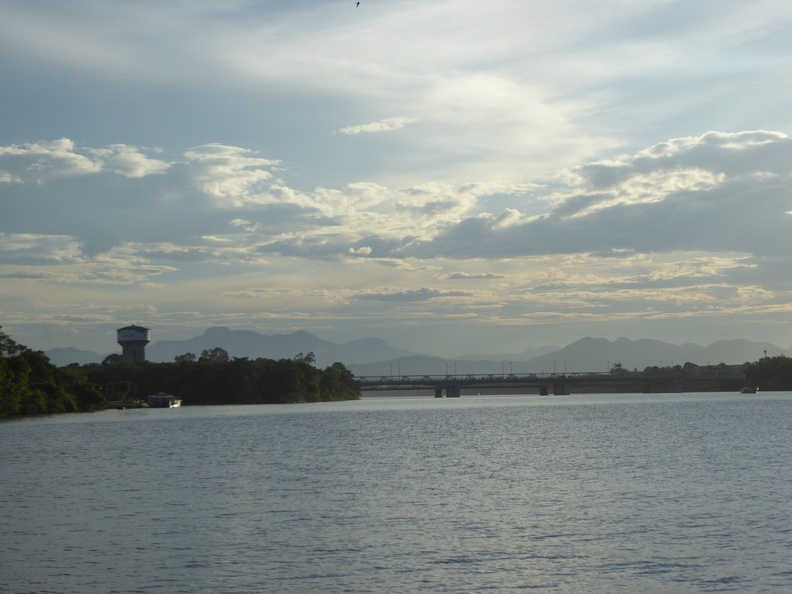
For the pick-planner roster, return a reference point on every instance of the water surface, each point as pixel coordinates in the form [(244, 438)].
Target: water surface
[(601, 493)]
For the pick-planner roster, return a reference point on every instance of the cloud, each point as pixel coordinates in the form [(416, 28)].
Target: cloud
[(181, 150), (231, 175), (474, 276), (45, 160), (134, 198), (25, 275), (42, 162), (752, 153), (481, 109), (408, 296), (386, 125), (36, 249), (672, 230), (130, 161), (717, 192)]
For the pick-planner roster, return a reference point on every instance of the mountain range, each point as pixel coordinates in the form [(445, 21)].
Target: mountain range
[(373, 356)]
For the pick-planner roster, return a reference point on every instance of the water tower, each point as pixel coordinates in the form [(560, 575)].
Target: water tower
[(133, 339)]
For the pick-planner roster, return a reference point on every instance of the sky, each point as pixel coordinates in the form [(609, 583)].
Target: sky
[(452, 176)]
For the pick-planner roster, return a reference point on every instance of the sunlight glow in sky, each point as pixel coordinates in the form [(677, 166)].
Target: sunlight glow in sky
[(452, 176)]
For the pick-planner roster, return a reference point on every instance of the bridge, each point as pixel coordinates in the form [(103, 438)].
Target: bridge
[(451, 386)]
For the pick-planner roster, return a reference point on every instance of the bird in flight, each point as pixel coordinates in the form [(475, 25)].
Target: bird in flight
[(357, 3)]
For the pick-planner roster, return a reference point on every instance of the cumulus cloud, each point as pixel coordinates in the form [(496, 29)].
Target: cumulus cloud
[(717, 192), (45, 161), (683, 226), (232, 175), (41, 161), (461, 195), (738, 154), (129, 161), (106, 196), (386, 125), (7, 178)]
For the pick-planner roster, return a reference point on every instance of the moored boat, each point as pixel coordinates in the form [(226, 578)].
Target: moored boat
[(163, 400), (747, 390)]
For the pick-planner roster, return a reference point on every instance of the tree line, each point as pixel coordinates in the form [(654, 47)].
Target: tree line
[(770, 373), (30, 384), (216, 378)]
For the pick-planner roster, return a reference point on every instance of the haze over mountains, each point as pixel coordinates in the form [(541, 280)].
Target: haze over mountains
[(372, 356)]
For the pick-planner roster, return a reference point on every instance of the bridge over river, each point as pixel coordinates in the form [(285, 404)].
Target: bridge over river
[(451, 386)]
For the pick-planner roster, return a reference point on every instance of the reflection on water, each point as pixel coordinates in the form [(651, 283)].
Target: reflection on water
[(606, 493)]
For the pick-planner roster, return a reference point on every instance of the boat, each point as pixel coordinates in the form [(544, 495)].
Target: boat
[(747, 390), (163, 400)]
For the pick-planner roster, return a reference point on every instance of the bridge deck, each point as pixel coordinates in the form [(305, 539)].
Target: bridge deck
[(560, 382)]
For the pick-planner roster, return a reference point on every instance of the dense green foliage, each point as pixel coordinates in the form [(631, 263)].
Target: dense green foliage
[(217, 379), (770, 373), (31, 385)]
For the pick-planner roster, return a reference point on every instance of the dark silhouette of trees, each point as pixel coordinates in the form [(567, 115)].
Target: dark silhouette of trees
[(185, 358), (215, 355), (113, 359), (338, 383), (30, 384), (309, 358), (770, 373), (213, 379)]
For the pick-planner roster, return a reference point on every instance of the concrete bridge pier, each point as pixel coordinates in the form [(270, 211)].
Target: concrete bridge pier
[(543, 390), (450, 392)]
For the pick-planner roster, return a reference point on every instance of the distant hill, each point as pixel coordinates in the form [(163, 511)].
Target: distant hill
[(247, 343), (64, 356), (373, 356), (587, 354), (599, 354), (528, 354)]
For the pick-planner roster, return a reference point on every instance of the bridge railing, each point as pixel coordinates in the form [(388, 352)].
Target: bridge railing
[(489, 377), (533, 379)]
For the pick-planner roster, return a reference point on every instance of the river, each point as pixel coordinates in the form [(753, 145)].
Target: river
[(659, 493)]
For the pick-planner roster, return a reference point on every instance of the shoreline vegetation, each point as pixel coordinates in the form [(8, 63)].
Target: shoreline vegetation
[(31, 385)]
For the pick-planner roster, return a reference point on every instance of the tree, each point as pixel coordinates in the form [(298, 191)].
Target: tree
[(215, 355), (30, 384), (770, 373), (114, 359), (8, 347), (309, 358), (338, 383), (185, 358), (618, 369), (14, 376), (11, 388), (86, 393)]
